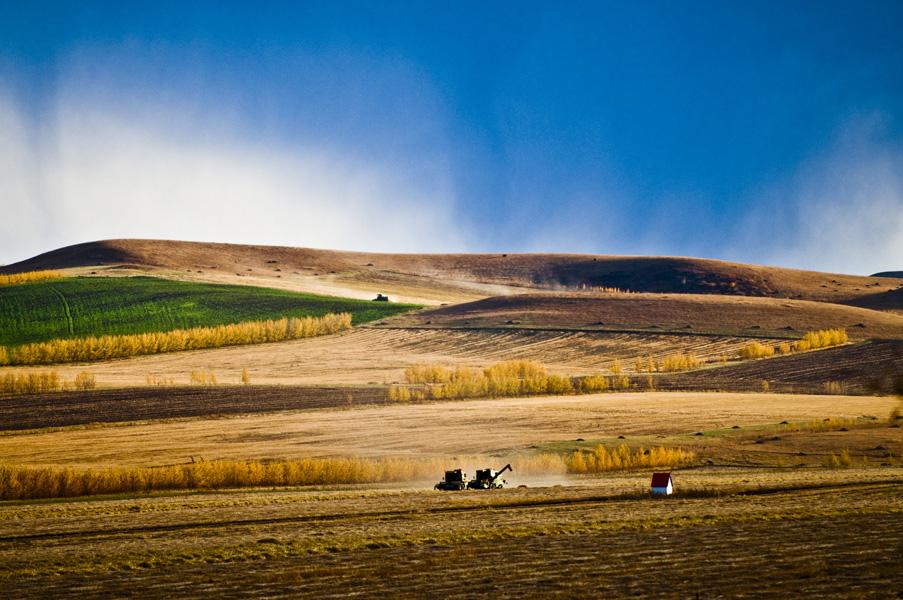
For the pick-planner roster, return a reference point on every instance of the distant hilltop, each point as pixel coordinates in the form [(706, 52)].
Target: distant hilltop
[(440, 278)]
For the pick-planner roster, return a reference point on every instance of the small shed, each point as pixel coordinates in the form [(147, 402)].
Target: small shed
[(662, 484)]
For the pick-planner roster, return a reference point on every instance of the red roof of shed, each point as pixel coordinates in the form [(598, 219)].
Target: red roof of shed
[(660, 479)]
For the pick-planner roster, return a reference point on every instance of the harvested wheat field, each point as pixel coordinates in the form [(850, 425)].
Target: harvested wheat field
[(434, 429), (380, 355), (580, 540)]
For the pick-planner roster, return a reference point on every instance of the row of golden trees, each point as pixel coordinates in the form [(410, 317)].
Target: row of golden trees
[(509, 378), (604, 459), (25, 482), (124, 346), (22, 482), (812, 340), (30, 276), (45, 381), (504, 379)]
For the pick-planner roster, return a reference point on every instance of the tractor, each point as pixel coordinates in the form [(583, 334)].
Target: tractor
[(454, 481), (487, 479)]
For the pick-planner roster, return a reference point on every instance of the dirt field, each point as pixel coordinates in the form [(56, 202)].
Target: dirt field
[(36, 411), (436, 429), (761, 540), (858, 368)]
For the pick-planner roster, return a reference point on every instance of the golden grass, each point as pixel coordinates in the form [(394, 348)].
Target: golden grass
[(203, 378), (681, 361), (124, 346), (517, 378), (155, 380), (22, 482), (603, 459), (826, 424), (837, 388), (756, 350), (839, 461), (84, 381), (594, 384), (29, 276), (509, 378), (43, 382)]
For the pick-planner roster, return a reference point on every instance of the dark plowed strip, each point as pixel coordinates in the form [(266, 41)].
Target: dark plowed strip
[(35, 411), (860, 368)]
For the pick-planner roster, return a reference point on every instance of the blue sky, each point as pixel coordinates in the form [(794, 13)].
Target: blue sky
[(761, 132)]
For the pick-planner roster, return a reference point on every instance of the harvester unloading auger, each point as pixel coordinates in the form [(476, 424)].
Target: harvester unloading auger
[(486, 479)]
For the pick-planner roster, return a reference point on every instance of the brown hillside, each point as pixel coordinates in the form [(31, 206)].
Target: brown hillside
[(891, 300), (684, 313), (454, 277)]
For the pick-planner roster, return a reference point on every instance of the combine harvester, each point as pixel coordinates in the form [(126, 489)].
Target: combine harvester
[(486, 479)]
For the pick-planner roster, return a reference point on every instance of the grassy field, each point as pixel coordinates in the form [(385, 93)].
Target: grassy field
[(80, 307)]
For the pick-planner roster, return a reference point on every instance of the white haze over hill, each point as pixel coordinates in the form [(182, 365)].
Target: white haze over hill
[(87, 171), (90, 173), (842, 212)]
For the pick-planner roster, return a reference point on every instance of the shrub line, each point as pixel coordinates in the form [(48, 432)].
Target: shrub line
[(196, 338)]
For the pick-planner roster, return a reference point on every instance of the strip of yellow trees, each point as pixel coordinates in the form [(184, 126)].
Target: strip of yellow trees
[(19, 482), (604, 459), (812, 340), (197, 338), (504, 379), (30, 276), (50, 381)]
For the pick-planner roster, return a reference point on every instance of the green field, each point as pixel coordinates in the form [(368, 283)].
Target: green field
[(80, 307)]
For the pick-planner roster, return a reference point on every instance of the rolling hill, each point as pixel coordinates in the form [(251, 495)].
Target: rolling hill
[(439, 278), (686, 314)]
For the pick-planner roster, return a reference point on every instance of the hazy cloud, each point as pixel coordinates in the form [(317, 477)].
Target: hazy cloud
[(841, 212), (94, 171)]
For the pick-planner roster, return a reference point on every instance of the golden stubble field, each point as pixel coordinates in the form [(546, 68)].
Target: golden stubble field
[(370, 355), (832, 534), (466, 427)]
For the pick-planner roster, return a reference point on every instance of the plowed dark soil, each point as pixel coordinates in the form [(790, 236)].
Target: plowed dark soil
[(677, 313), (34, 411), (861, 368)]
